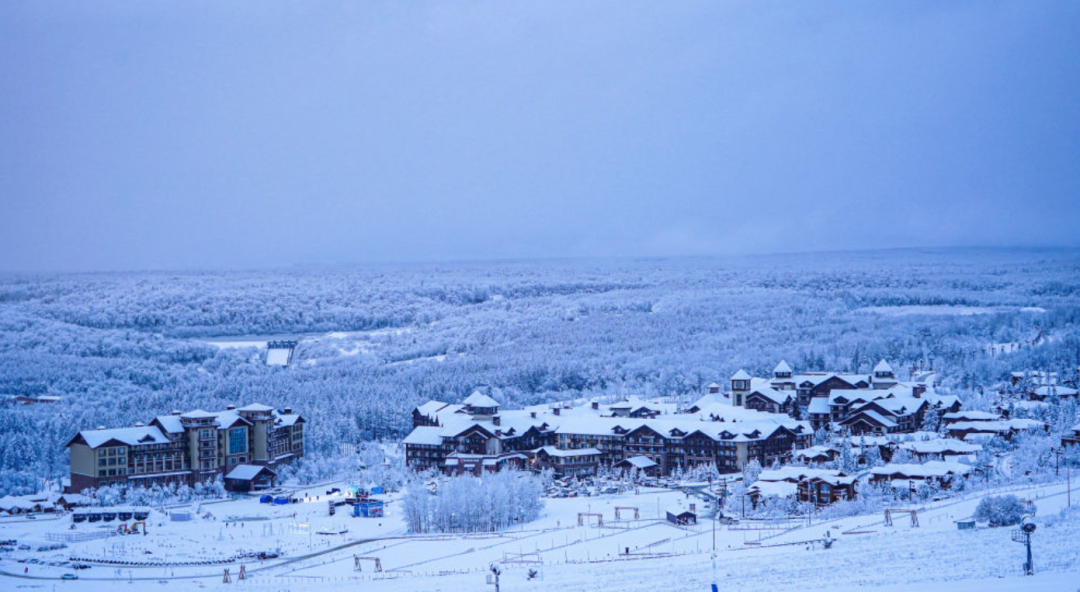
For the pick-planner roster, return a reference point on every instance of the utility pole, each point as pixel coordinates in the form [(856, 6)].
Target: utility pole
[(715, 510)]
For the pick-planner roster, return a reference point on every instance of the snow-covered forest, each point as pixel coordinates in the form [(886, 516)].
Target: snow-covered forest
[(376, 341)]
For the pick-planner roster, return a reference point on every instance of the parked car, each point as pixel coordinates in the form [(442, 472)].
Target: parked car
[(69, 576)]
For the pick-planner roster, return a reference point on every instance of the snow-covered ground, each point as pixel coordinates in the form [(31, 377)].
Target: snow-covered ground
[(866, 554)]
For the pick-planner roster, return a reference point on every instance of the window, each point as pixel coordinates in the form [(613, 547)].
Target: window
[(237, 440)]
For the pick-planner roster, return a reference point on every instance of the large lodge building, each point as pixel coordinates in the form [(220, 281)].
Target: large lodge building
[(477, 436), (241, 445), (756, 419)]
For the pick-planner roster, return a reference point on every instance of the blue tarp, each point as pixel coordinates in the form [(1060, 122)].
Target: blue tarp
[(266, 499)]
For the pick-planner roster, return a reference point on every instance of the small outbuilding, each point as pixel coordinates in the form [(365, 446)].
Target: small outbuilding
[(646, 465), (245, 478), (681, 517)]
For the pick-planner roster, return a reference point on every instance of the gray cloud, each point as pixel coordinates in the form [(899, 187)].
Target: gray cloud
[(252, 134)]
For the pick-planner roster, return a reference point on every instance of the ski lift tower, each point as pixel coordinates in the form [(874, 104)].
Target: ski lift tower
[(1023, 535)]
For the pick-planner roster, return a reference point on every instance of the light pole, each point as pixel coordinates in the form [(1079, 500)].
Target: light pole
[(1028, 528), (1057, 461)]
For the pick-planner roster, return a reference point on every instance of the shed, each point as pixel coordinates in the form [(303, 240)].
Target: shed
[(642, 463), (248, 477), (681, 517)]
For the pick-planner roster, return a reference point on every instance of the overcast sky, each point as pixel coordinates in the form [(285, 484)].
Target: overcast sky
[(148, 135)]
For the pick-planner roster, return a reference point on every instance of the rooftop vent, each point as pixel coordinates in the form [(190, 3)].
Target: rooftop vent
[(287, 411), (230, 408), (140, 424), (101, 427), (176, 412)]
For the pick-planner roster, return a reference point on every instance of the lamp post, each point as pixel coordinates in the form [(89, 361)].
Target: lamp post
[(1057, 461)]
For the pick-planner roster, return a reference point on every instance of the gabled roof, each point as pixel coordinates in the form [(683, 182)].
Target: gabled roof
[(782, 368), (778, 397), (227, 419), (553, 451), (198, 414), (971, 416), (818, 405), (252, 407), (639, 462), (428, 409), (478, 399), (169, 423), (873, 416), (741, 375), (430, 435), (121, 436), (287, 419), (780, 489), (883, 366), (248, 472), (934, 468)]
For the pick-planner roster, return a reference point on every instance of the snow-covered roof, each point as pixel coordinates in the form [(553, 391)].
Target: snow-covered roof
[(882, 366), (782, 368), (778, 397), (246, 472), (286, 419), (226, 419), (934, 468), (818, 405), (553, 451), (430, 408), (170, 423), (971, 416), (773, 489), (741, 375), (1005, 425), (815, 451), (941, 445), (640, 462), (874, 415), (254, 407), (1055, 391), (198, 414), (129, 436), (428, 435), (478, 399), (795, 474)]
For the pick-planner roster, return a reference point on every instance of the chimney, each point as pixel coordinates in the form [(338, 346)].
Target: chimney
[(286, 411), (140, 424), (918, 390), (496, 420), (595, 405), (230, 408), (557, 409), (101, 427), (176, 412), (532, 414)]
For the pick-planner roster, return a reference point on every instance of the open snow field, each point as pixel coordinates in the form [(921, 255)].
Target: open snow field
[(866, 554)]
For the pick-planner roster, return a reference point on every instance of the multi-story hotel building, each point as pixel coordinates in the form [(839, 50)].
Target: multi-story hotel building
[(241, 445)]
